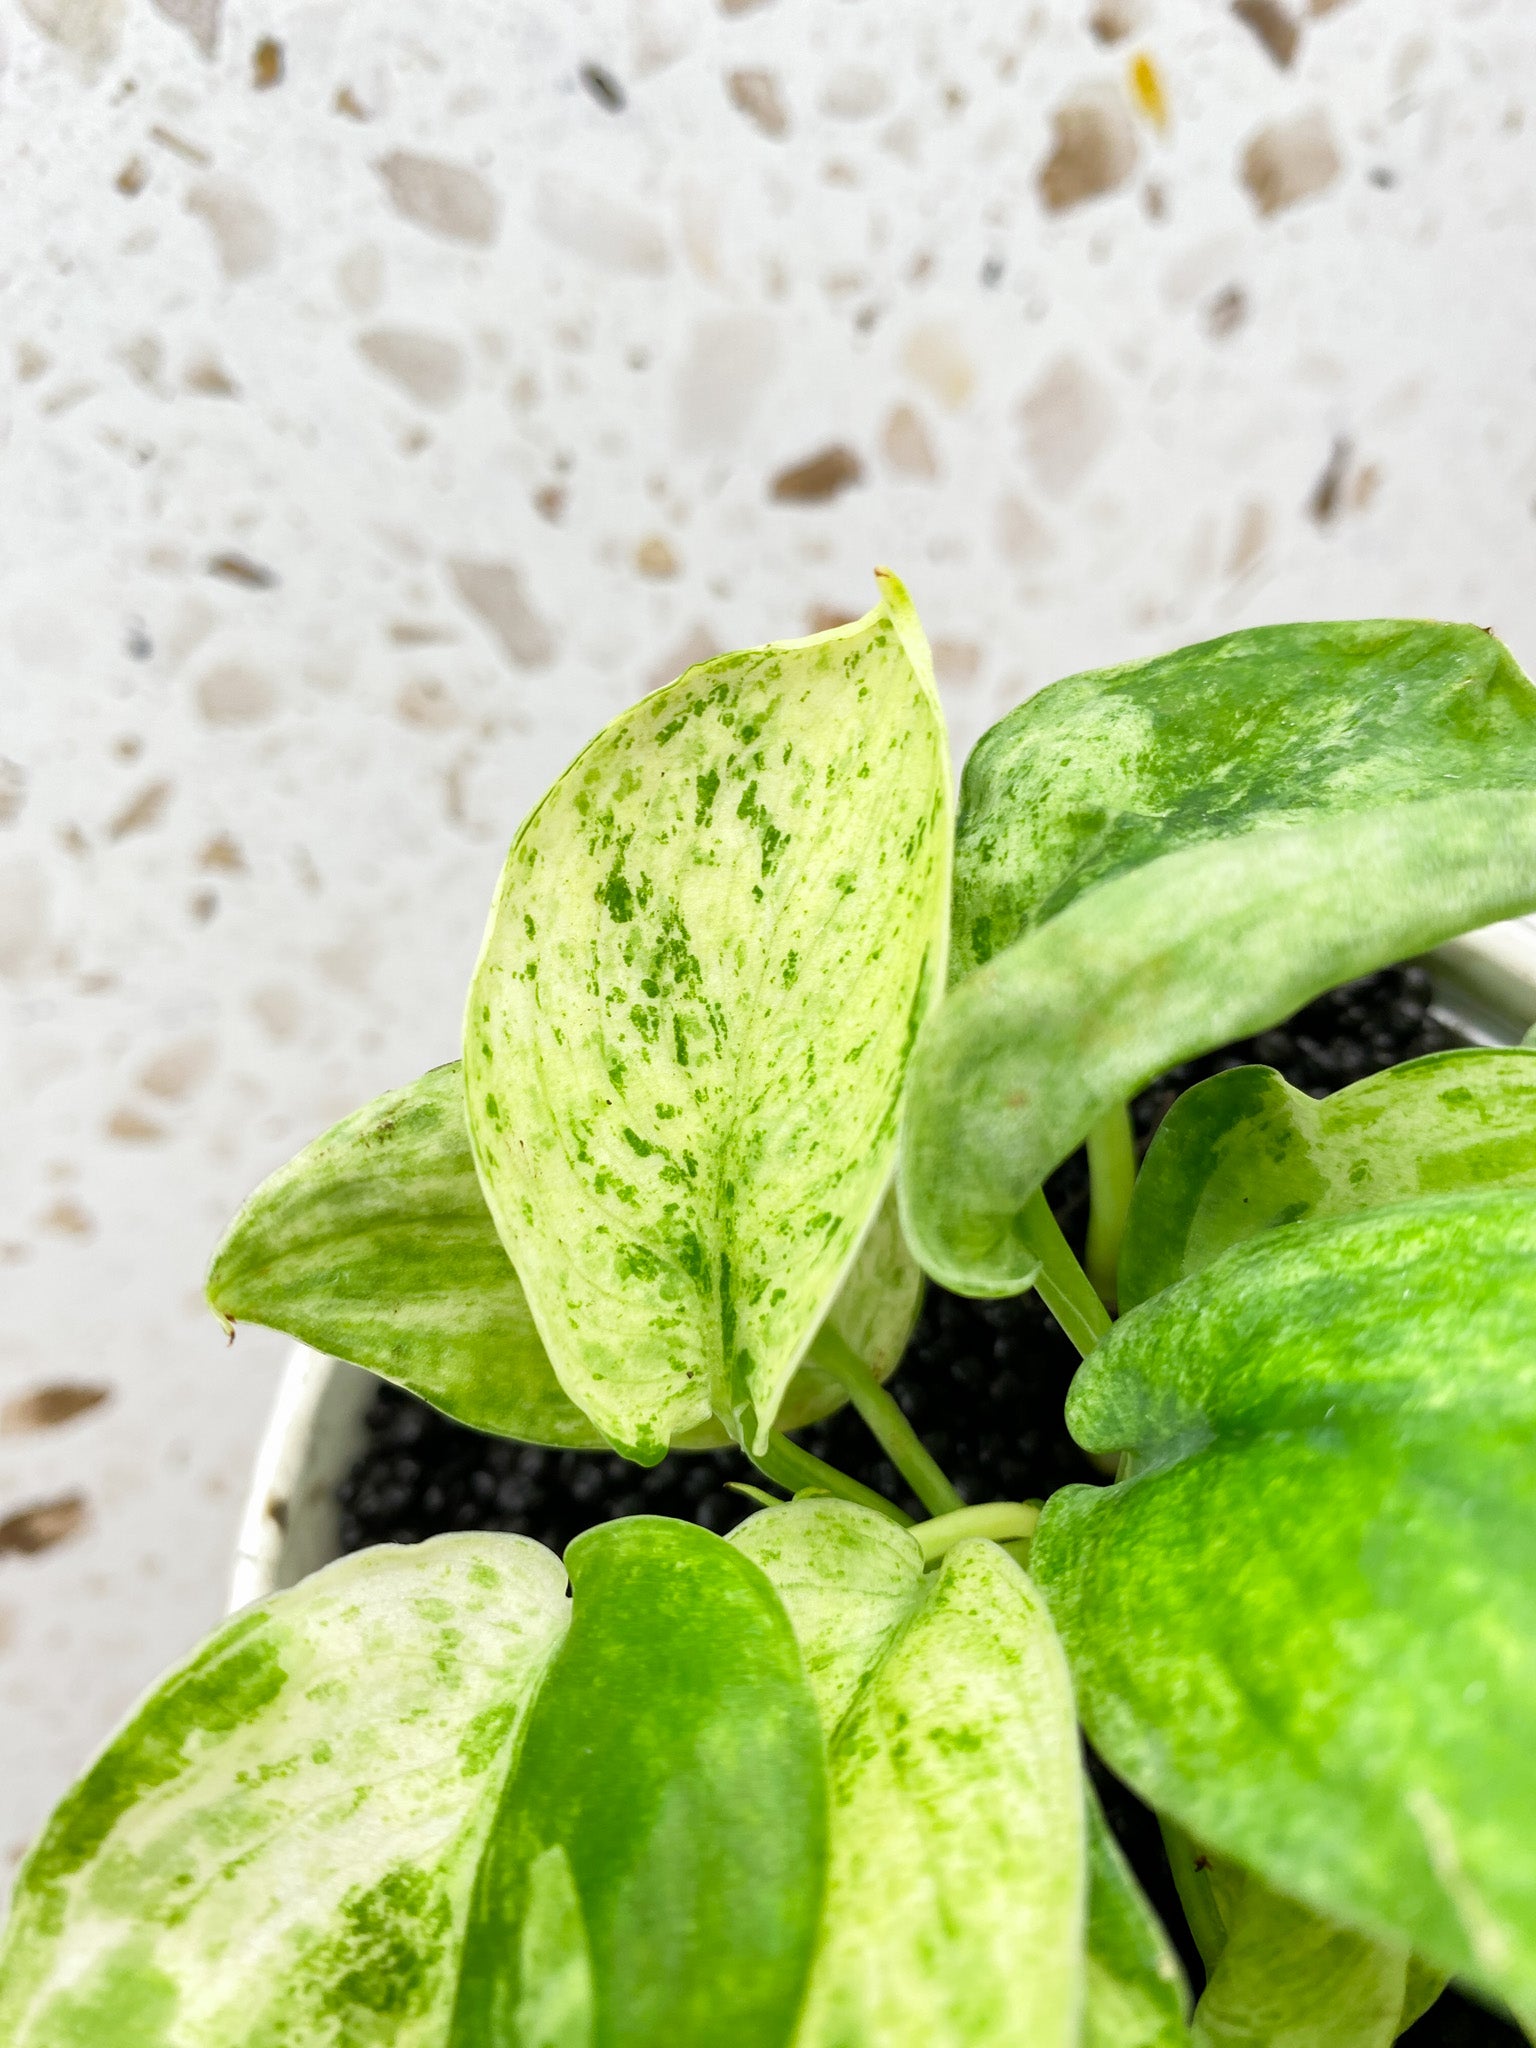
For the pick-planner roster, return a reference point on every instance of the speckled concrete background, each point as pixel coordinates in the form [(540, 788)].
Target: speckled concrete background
[(390, 393)]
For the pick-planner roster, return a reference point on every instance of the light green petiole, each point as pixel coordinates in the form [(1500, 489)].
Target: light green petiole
[(885, 1421), (1061, 1282), (788, 1466), (1111, 1178), (1004, 1521)]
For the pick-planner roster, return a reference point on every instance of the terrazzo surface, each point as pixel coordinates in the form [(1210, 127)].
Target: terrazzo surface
[(389, 395)]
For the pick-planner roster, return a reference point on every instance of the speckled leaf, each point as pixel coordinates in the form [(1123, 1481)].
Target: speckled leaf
[(1287, 1978), (1135, 1995), (375, 1244), (674, 1762), (1304, 1623), (685, 1042), (1245, 1152), (955, 1891), (1154, 859), (279, 1848)]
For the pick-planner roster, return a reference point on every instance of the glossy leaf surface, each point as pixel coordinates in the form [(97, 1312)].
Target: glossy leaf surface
[(955, 1892), (1245, 1152), (424, 1800), (1135, 1993), (713, 944), (375, 1244), (1154, 859), (280, 1845), (667, 1813), (1287, 1978), (1304, 1624)]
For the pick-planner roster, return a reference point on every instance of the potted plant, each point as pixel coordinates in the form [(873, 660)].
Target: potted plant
[(821, 1783)]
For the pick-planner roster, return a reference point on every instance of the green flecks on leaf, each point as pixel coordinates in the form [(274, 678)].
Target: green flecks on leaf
[(637, 1261), (230, 1681), (1303, 1624), (615, 892), (1153, 859), (293, 1866), (772, 914), (388, 1949)]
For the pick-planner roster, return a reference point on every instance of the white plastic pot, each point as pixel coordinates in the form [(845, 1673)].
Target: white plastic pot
[(1485, 987)]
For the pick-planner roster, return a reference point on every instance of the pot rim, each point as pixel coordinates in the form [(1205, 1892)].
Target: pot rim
[(1485, 984)]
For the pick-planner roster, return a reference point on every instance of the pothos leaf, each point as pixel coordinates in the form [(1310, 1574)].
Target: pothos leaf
[(1244, 1152), (1136, 1995), (1153, 859), (280, 1845), (1287, 1978), (422, 1798), (666, 1814), (685, 1042), (375, 1244), (1304, 1623), (954, 1908)]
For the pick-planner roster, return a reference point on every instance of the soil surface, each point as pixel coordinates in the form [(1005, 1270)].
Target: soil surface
[(983, 1383)]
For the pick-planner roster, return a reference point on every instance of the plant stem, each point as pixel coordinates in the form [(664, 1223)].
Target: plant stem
[(889, 1427), (1004, 1521), (1061, 1282), (789, 1466), (1111, 1178), (1195, 1894)]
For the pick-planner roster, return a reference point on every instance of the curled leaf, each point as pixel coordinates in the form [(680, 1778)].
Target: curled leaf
[(1244, 1152), (1287, 1978)]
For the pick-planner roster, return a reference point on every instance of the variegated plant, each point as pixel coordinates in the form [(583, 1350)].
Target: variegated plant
[(819, 1785)]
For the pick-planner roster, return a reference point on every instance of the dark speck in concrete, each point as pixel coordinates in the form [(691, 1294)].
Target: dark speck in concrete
[(818, 478), (604, 88)]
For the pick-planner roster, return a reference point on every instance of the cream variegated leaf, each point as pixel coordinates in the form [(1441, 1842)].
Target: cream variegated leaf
[(956, 1858), (714, 942), (375, 1244), (281, 1845)]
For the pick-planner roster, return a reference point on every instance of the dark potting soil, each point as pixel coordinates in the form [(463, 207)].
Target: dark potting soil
[(983, 1383)]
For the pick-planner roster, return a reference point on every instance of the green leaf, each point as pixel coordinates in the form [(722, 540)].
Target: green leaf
[(713, 944), (674, 1762), (1304, 1624), (849, 1581), (1154, 859), (375, 1244), (1136, 1996), (1244, 1152), (422, 1799), (955, 1886), (1424, 1987), (1287, 1978), (280, 1845)]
